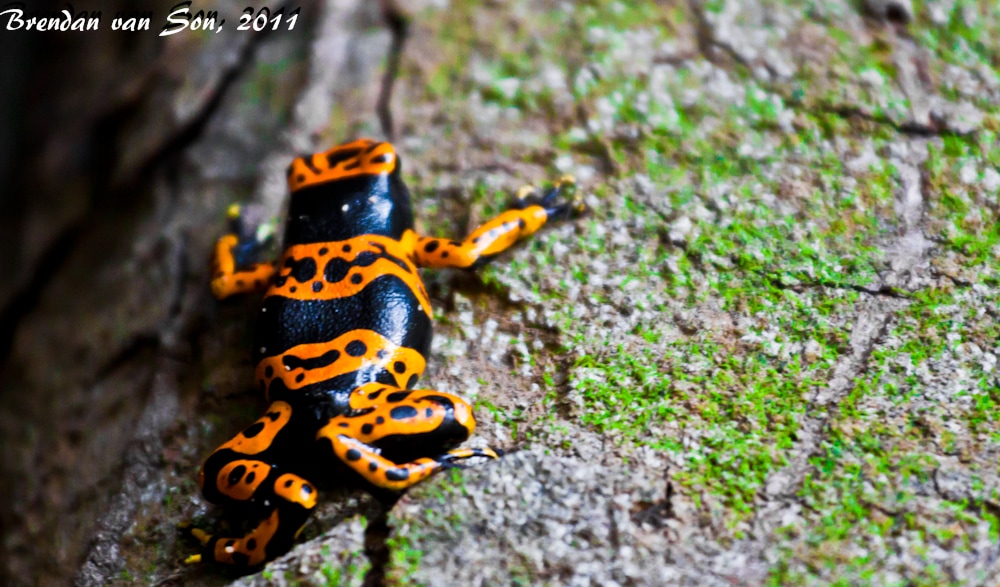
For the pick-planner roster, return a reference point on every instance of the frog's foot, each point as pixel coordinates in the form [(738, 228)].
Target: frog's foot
[(289, 501), (452, 457), (234, 266), (192, 532), (560, 200), (270, 538), (391, 435)]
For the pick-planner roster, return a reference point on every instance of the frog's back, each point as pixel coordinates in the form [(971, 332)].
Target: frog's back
[(346, 294)]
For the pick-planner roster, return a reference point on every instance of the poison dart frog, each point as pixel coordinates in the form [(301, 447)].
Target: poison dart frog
[(342, 337)]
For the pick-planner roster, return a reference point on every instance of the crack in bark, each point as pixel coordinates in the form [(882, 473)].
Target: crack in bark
[(190, 132), (883, 289), (152, 340), (26, 298), (399, 26), (141, 461), (869, 330), (597, 144), (136, 344), (613, 533), (906, 128), (971, 503), (377, 549), (655, 514), (956, 281), (708, 42), (180, 274)]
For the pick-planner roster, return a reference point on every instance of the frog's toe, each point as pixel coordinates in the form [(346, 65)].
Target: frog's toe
[(560, 200), (450, 459), (197, 534), (272, 536), (194, 534)]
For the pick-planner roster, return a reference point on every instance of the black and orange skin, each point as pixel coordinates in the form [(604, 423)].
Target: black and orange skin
[(342, 338)]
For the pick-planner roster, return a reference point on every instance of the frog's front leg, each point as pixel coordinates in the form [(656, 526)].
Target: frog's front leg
[(233, 269), (530, 213), (246, 474), (395, 437)]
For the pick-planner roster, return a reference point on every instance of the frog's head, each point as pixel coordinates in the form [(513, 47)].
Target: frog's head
[(363, 157), (355, 188)]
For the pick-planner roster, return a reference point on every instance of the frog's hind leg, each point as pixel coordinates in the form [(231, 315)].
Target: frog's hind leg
[(395, 438), (245, 474), (270, 538)]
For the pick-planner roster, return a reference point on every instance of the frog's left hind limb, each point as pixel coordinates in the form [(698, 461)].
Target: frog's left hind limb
[(270, 538), (246, 473)]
